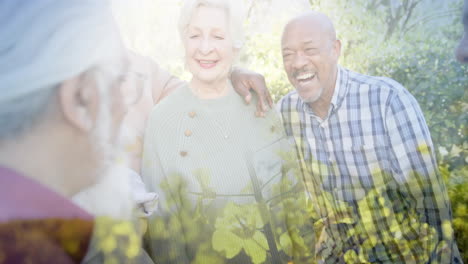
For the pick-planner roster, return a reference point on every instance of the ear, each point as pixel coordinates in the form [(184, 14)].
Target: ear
[(236, 52), (78, 99), (337, 48)]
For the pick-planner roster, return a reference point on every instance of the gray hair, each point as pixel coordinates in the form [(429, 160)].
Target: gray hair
[(39, 50), (19, 115), (234, 10)]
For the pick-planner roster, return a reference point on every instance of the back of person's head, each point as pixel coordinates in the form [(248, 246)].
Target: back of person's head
[(42, 44), (60, 66)]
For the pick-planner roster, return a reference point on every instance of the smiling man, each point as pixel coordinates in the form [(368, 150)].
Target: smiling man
[(368, 154)]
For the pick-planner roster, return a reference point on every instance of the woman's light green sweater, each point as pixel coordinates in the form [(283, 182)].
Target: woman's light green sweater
[(208, 159)]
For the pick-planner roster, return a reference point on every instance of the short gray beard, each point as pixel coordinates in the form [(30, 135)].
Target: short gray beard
[(312, 100), (110, 196)]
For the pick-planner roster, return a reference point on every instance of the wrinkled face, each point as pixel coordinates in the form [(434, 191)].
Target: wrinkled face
[(462, 50), (208, 45), (310, 59)]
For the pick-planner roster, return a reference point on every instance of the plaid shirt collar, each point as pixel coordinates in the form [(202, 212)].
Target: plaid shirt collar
[(341, 89)]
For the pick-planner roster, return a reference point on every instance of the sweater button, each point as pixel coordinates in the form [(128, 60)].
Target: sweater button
[(188, 133), (183, 153), (192, 114)]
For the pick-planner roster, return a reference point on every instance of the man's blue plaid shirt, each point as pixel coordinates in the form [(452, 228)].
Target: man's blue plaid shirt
[(372, 174)]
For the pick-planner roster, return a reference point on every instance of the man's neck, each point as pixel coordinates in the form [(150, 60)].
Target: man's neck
[(321, 107), (34, 161)]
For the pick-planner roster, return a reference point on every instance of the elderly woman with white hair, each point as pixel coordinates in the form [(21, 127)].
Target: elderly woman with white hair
[(216, 167)]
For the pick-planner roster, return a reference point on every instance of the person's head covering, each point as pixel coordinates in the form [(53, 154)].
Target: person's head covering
[(44, 42)]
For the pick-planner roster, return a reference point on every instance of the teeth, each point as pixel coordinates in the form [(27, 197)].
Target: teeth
[(305, 76), (207, 62)]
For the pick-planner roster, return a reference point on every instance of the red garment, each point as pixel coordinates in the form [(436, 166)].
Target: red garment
[(24, 198), (38, 225)]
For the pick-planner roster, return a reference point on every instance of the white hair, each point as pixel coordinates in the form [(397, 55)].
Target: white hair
[(235, 12)]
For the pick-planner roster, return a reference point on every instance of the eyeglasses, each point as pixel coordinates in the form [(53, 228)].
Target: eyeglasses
[(131, 86)]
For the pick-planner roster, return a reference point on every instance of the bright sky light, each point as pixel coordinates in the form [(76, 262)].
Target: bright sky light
[(149, 27)]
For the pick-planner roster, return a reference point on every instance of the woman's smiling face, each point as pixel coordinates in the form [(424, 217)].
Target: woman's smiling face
[(209, 48)]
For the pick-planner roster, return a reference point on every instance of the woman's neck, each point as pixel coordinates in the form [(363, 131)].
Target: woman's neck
[(212, 90)]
